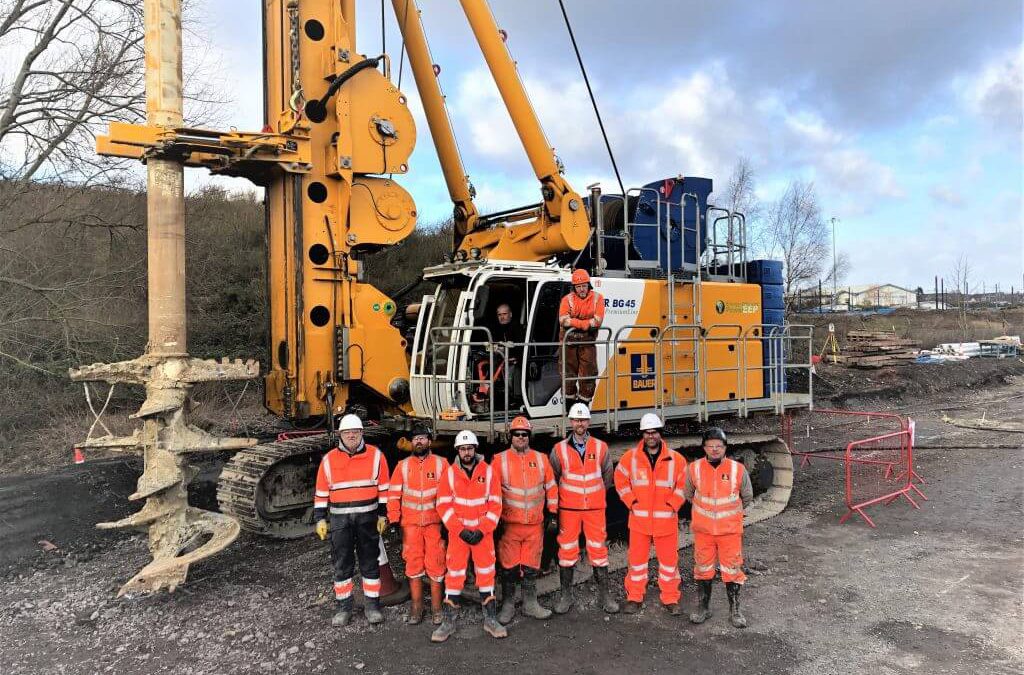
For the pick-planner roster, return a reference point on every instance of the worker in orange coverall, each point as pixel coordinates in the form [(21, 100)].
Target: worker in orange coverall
[(527, 482), (412, 503), (650, 480), (719, 489)]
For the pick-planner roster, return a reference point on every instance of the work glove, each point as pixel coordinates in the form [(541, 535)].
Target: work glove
[(321, 529), (471, 537), (382, 524)]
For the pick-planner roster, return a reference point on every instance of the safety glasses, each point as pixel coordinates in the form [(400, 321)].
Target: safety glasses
[(520, 434)]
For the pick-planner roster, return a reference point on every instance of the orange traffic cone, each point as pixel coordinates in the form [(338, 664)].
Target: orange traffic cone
[(391, 592), (79, 457)]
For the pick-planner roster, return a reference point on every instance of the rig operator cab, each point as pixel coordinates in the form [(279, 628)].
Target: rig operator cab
[(692, 329)]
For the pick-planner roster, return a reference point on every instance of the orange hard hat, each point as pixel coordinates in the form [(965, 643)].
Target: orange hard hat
[(580, 277), (520, 423)]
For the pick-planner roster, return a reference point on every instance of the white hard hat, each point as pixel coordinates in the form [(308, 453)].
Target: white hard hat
[(466, 437), (650, 421), (349, 422), (579, 411)]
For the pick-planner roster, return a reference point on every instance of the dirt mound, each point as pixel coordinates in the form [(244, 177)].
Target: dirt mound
[(840, 385)]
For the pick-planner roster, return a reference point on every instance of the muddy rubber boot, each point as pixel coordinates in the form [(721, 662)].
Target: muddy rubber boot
[(604, 596), (343, 616), (449, 615), (531, 607), (631, 607), (508, 597), (491, 625), (371, 608), (736, 617), (436, 600), (416, 607), (703, 611), (564, 603), (673, 608)]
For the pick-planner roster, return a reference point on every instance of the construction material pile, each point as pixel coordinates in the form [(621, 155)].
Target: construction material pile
[(877, 349), (1004, 346)]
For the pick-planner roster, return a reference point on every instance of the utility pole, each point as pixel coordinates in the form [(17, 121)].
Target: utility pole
[(834, 280)]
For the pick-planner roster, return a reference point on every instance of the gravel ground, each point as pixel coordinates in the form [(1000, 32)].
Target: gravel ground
[(937, 590)]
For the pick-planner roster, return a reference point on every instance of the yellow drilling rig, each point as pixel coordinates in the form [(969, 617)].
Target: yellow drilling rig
[(693, 329)]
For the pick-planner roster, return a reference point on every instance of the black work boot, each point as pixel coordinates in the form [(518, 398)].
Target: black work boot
[(371, 608), (604, 596), (531, 607), (491, 625), (736, 617), (508, 596), (564, 603), (343, 615), (703, 611), (449, 614)]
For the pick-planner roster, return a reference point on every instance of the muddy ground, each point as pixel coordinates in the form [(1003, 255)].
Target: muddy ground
[(935, 590)]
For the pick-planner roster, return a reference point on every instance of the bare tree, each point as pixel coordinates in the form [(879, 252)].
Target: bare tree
[(740, 196), (960, 281), (842, 269), (69, 219), (796, 232), (78, 66)]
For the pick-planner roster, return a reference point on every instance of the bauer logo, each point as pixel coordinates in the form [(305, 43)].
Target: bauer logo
[(641, 368)]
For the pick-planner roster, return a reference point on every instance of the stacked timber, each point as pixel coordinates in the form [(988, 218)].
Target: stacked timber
[(877, 349)]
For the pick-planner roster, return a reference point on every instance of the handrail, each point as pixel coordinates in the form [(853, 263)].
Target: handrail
[(672, 372), (581, 378), (656, 342), (657, 224), (450, 367), (708, 369), (778, 341)]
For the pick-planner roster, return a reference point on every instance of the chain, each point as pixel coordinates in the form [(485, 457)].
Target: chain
[(293, 38)]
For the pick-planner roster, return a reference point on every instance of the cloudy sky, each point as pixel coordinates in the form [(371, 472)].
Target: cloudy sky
[(905, 114)]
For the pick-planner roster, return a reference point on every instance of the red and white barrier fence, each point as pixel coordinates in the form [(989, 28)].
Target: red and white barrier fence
[(878, 468)]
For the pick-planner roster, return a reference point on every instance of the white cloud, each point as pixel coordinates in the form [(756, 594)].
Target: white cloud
[(694, 125), (944, 195), (995, 93)]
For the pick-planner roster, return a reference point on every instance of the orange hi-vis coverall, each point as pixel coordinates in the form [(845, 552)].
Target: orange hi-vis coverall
[(526, 481), (718, 496), (586, 316), (582, 479), (469, 502), (412, 502), (653, 496), (353, 487)]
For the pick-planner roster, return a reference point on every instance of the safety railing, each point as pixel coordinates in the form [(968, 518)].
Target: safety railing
[(735, 341), (732, 251), (576, 379), (452, 386), (672, 374), (460, 349), (629, 227), (655, 342)]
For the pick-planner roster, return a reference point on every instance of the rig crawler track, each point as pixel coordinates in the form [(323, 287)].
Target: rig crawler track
[(267, 487)]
